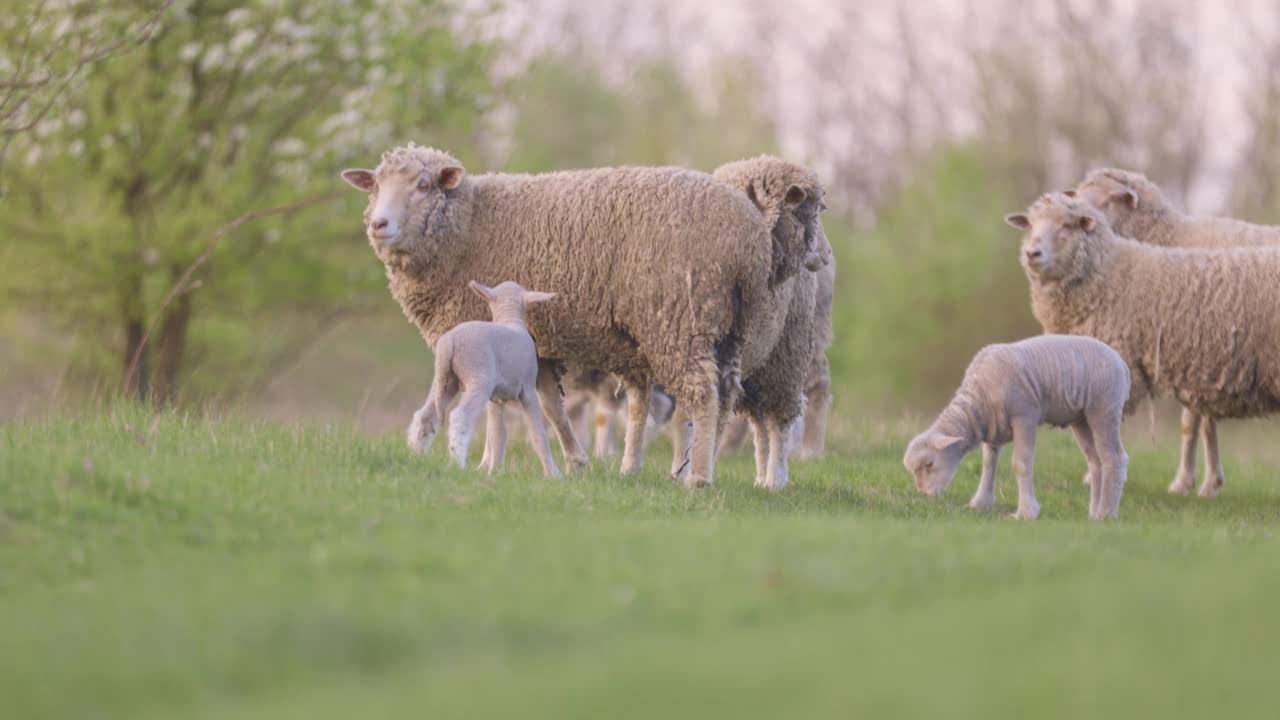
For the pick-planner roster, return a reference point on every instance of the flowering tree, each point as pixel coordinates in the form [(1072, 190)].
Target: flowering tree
[(122, 167)]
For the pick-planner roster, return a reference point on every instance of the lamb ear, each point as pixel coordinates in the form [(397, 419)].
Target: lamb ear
[(1128, 198), (795, 195), (942, 442), (360, 179), (1087, 223), (533, 296), (485, 293), (451, 177), (1018, 220)]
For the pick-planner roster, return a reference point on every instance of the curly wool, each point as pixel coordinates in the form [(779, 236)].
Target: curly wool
[(1137, 298)]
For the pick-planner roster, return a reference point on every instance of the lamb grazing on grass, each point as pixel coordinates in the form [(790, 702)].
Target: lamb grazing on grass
[(665, 275), (1201, 324), (483, 364), (790, 198), (1137, 208), (1009, 391)]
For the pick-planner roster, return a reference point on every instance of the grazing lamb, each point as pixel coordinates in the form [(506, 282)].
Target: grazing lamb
[(790, 198), (1009, 391), (1201, 324), (1138, 209), (665, 275), (483, 364)]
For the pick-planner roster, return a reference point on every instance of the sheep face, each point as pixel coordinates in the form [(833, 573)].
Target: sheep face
[(805, 215), (932, 458), (1056, 232), (412, 203)]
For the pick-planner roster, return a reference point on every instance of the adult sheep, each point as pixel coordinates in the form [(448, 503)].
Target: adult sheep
[(790, 199), (1138, 298), (1138, 209), (663, 274)]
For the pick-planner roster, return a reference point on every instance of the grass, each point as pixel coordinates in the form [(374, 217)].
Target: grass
[(173, 567)]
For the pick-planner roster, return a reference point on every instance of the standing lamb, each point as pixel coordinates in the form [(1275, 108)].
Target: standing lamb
[(1009, 391), (1137, 208), (790, 198), (1086, 280), (484, 364), (664, 274)]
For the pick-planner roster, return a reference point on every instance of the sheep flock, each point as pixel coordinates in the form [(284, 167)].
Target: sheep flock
[(702, 302)]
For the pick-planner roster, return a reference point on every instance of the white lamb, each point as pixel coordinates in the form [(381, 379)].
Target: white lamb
[(487, 363), (1009, 391)]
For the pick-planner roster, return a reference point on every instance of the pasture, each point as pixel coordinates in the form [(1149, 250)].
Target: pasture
[(165, 565)]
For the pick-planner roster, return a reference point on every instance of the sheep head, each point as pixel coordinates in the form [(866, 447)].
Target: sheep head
[(932, 458), (417, 199), (1123, 196), (790, 199), (1059, 237), (507, 301)]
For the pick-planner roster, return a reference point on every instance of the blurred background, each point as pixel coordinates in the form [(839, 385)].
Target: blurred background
[(135, 135)]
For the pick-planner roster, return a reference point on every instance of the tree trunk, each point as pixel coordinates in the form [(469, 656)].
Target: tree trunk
[(134, 362), (170, 348)]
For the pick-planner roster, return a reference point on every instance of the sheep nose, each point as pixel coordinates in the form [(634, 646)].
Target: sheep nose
[(1034, 255), (379, 223)]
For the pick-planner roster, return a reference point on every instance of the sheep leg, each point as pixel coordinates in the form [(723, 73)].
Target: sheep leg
[(681, 439), (1115, 464), (462, 422), (538, 433), (1186, 477), (985, 497), (426, 421), (735, 435), (603, 445), (1213, 475), (1084, 438), (576, 406), (1024, 457), (706, 416), (779, 452), (637, 417), (760, 441), (495, 439), (553, 405), (815, 424)]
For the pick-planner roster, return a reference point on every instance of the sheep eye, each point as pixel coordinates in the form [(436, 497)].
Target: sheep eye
[(424, 184)]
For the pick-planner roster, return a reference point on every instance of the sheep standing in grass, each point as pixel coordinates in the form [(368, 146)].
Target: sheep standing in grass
[(665, 275), (813, 430), (790, 198), (596, 400), (1010, 390), (1200, 324), (1137, 208), (482, 364)]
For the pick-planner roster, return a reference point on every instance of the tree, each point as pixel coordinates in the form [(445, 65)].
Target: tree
[(228, 107)]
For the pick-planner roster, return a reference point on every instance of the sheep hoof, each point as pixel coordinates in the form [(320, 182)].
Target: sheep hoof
[(1030, 512), (1181, 485), (419, 436), (981, 504), (1208, 490), (695, 483)]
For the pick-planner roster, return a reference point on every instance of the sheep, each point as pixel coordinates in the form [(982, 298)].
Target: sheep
[(813, 424), (1137, 208), (1139, 298), (790, 198), (484, 364), (1008, 391), (599, 396), (665, 275)]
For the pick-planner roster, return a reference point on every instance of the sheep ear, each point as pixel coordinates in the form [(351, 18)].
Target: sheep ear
[(1087, 223), (1069, 193), (942, 442), (1128, 198), (754, 197), (1018, 220), (533, 296), (451, 177), (360, 179), (795, 195), (485, 293)]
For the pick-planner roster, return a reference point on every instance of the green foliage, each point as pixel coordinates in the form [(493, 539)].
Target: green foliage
[(232, 106), (165, 566), (936, 278)]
